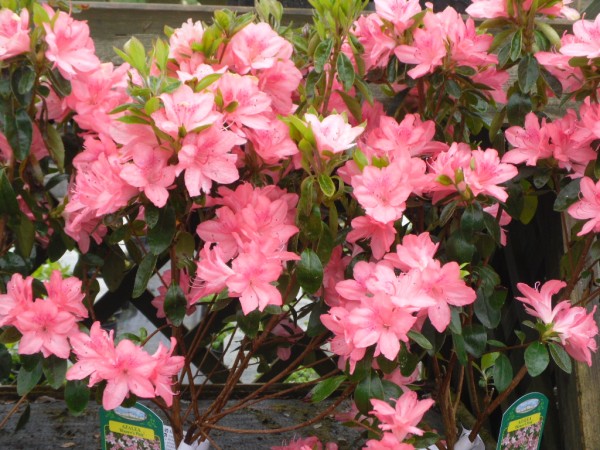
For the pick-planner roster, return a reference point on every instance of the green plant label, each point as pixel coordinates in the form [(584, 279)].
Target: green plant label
[(523, 423), (136, 427)]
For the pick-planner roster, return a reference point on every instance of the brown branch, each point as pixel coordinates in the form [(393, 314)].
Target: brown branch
[(12, 411)]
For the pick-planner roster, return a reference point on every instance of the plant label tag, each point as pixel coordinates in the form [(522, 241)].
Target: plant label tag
[(135, 427), (523, 423)]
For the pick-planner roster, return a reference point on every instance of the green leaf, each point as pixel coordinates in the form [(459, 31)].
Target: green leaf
[(369, 388), (175, 304), (519, 105), (528, 73), (485, 308), (475, 339), (8, 198), (143, 275), (113, 271), (249, 323), (326, 185), (10, 335), (502, 373), (322, 53), (207, 81), (421, 340), (161, 235), (408, 361), (459, 248), (345, 71), (560, 357), (26, 80), (567, 195), (136, 53), (25, 233), (460, 349), (515, 45), (553, 83), (185, 245), (18, 130), (325, 388), (77, 395), (55, 370), (28, 379), (536, 358), (530, 203), (56, 147), (472, 219), (310, 271), (315, 326)]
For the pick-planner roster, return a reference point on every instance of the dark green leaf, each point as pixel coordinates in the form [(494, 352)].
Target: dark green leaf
[(249, 323), (475, 339), (536, 358), (175, 304), (515, 45), (345, 71), (25, 236), (530, 203), (472, 219), (18, 130), (460, 248), (322, 53), (55, 370), (143, 275), (486, 310), (427, 440), (27, 379), (77, 395), (408, 361), (519, 105), (369, 388), (113, 271), (560, 357), (310, 271), (553, 83), (315, 326), (10, 335), (55, 147), (421, 340), (528, 73), (26, 80), (8, 199), (325, 388), (492, 226), (326, 185), (503, 373), (460, 349), (391, 390), (567, 195), (161, 235)]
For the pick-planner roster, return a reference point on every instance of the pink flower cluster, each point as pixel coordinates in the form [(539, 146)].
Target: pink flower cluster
[(46, 324), (195, 132), (309, 443), (379, 306), (575, 328), (445, 40), (490, 9), (125, 367), (398, 422), (250, 231), (567, 139)]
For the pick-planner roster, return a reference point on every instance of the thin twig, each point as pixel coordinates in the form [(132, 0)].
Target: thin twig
[(12, 411)]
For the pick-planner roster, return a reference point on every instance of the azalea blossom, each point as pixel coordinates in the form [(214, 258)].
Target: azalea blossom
[(14, 33), (333, 133), (588, 207), (402, 420)]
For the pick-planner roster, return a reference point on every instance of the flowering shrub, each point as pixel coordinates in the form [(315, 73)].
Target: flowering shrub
[(247, 166)]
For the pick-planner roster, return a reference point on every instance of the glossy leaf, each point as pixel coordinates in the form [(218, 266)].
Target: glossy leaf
[(503, 373), (144, 273), (475, 337), (175, 304), (77, 396), (161, 235), (369, 388), (310, 271), (560, 357), (55, 370), (325, 388)]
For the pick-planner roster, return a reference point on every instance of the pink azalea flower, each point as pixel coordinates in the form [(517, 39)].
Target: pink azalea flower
[(256, 46), (387, 442), (588, 207), (252, 281), (571, 143), (45, 329), (333, 133), (166, 367), (587, 35), (150, 171), (280, 82), (244, 104), (66, 294), (382, 235), (92, 351), (14, 33), (310, 443), (342, 344), (427, 52), (184, 111), (378, 45), (398, 12), (207, 157), (538, 303), (496, 80), (212, 271), (18, 297), (444, 285), (487, 9), (486, 172), (70, 47), (578, 331), (402, 420), (529, 143), (182, 39), (415, 252), (382, 191), (380, 322), (274, 143)]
